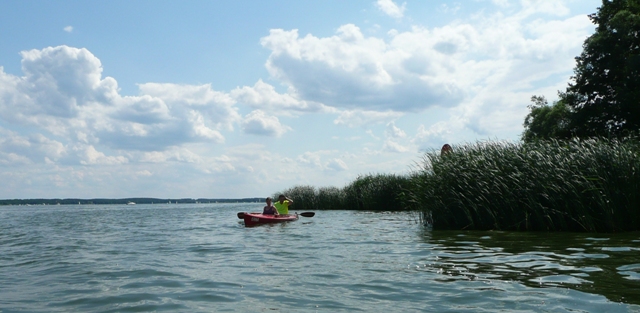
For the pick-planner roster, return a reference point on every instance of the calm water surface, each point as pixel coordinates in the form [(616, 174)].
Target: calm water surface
[(200, 258)]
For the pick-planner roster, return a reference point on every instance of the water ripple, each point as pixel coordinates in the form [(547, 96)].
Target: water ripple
[(200, 258)]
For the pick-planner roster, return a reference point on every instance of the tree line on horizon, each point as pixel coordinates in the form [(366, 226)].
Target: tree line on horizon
[(69, 201)]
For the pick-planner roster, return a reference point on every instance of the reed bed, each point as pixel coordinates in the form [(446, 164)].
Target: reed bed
[(578, 185), (379, 192)]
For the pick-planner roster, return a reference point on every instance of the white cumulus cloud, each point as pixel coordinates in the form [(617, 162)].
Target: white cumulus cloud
[(260, 123), (351, 71), (89, 156), (391, 8), (479, 69), (264, 97), (62, 92), (394, 132), (35, 148), (217, 107), (65, 127)]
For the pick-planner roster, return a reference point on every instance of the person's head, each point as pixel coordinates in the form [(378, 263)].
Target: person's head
[(445, 149), (268, 200), (281, 198)]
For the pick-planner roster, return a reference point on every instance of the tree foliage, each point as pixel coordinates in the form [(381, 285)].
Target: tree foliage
[(605, 94), (546, 122)]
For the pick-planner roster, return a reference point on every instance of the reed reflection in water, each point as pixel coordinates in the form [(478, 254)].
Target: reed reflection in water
[(606, 264)]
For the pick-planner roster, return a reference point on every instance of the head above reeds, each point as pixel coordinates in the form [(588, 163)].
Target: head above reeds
[(445, 149)]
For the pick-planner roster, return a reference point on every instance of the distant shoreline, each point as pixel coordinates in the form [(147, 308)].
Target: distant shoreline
[(55, 201)]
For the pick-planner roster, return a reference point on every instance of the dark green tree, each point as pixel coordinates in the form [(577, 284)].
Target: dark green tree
[(605, 94), (546, 122)]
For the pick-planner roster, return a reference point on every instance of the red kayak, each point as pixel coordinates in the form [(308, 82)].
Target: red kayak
[(253, 219)]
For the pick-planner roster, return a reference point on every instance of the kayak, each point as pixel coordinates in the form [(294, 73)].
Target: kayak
[(253, 219)]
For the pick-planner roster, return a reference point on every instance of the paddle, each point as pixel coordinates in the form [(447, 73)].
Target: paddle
[(305, 214)]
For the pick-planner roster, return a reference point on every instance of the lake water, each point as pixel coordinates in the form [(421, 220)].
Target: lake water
[(200, 258)]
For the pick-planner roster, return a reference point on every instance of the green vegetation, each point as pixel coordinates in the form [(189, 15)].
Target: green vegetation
[(604, 95), (368, 192), (603, 99), (546, 122), (578, 185), (576, 169)]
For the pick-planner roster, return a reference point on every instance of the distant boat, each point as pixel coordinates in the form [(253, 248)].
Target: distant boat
[(131, 203)]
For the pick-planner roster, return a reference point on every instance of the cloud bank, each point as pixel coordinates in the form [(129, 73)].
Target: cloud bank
[(389, 96), (63, 92)]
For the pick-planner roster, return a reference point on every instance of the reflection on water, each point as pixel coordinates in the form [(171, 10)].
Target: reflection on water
[(200, 258), (606, 264)]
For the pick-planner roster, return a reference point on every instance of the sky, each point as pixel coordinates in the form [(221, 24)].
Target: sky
[(237, 98)]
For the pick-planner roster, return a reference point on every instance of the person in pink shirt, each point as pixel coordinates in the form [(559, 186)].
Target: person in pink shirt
[(269, 209)]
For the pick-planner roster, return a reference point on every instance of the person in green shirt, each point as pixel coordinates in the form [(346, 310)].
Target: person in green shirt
[(283, 204)]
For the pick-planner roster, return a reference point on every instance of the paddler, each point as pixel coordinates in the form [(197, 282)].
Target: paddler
[(283, 204), (269, 209)]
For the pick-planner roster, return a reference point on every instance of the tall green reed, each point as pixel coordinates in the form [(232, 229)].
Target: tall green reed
[(304, 197), (367, 192), (578, 185)]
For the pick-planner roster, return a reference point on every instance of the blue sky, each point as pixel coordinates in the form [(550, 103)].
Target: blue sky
[(231, 99)]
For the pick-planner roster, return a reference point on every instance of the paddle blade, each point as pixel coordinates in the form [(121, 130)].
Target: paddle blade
[(240, 215), (308, 214)]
